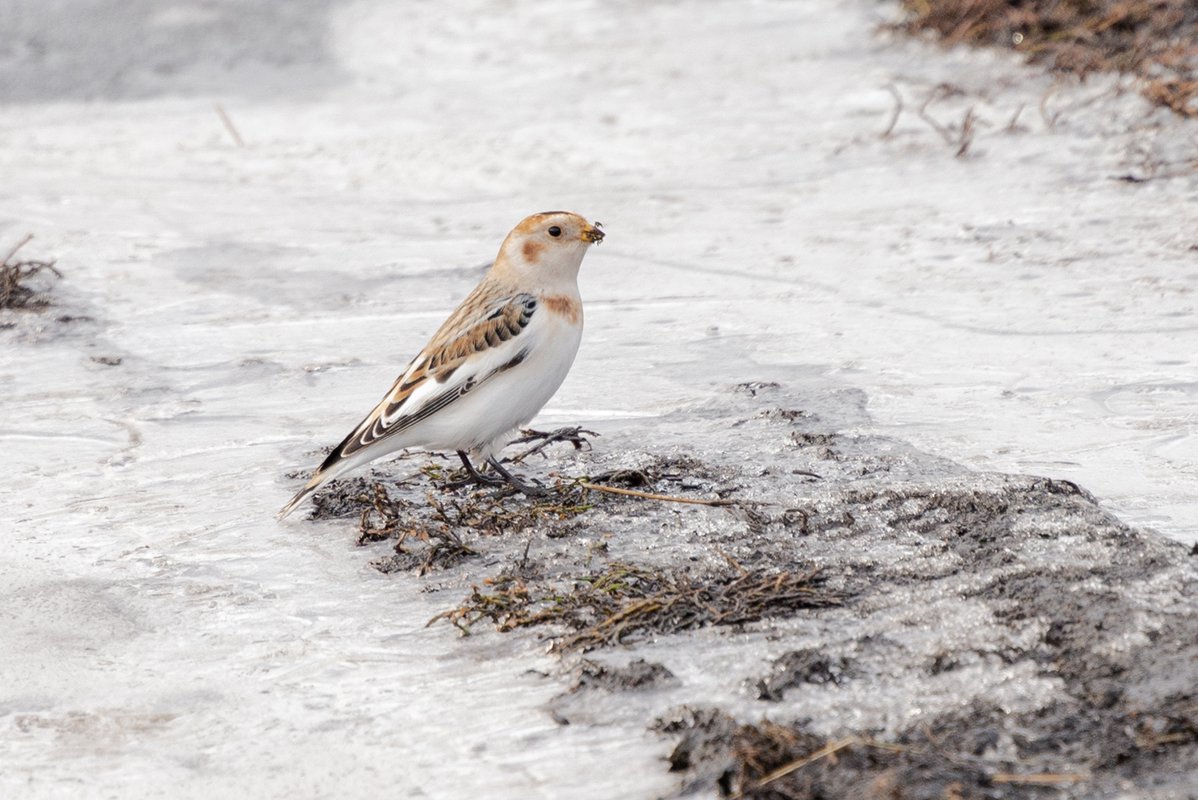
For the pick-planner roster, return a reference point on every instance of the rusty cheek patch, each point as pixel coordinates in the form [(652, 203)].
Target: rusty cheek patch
[(563, 306), (532, 251)]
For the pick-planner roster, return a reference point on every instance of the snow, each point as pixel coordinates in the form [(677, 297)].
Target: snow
[(1017, 309)]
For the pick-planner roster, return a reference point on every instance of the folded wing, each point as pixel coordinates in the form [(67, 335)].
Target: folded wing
[(478, 342)]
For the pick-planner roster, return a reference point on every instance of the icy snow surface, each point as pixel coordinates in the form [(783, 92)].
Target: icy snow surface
[(1020, 308)]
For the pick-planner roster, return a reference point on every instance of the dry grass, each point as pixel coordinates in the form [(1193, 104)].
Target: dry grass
[(15, 276), (386, 518), (622, 601), (445, 526), (438, 527), (1154, 40)]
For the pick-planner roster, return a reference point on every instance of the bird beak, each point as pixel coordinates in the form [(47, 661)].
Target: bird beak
[(594, 233)]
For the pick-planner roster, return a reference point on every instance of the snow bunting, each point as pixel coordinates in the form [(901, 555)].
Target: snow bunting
[(491, 366)]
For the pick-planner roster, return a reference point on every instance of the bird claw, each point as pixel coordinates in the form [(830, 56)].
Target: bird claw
[(502, 478), (576, 435), (530, 489), (527, 489)]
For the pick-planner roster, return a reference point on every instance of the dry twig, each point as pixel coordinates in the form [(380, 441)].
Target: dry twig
[(28, 237), (228, 123), (898, 110), (934, 95), (966, 136)]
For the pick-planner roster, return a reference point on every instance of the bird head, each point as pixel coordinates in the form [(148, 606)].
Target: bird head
[(548, 247)]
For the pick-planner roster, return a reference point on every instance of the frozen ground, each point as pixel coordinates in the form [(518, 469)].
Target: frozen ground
[(1019, 309)]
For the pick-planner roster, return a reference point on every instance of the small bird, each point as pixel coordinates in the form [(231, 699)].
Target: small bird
[(491, 366)]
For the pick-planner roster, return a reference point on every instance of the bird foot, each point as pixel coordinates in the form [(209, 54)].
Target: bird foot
[(527, 489), (501, 478), (576, 436)]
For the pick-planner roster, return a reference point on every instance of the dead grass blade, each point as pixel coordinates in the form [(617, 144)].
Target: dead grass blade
[(229, 126), (1039, 778)]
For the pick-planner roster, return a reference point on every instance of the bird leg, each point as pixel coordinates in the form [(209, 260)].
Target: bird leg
[(527, 489), (505, 478), (473, 475)]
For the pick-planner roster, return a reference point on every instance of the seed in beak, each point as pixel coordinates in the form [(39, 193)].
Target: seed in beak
[(594, 233)]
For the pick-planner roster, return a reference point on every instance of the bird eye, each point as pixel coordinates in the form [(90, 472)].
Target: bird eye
[(555, 231)]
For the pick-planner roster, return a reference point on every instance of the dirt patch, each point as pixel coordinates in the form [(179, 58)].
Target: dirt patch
[(347, 497), (799, 667), (965, 756), (979, 523), (637, 674), (1154, 40), (983, 752), (1113, 625)]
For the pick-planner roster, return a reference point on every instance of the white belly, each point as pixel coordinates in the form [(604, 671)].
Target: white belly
[(480, 420)]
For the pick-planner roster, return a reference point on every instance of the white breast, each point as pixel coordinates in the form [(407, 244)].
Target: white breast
[(480, 421)]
